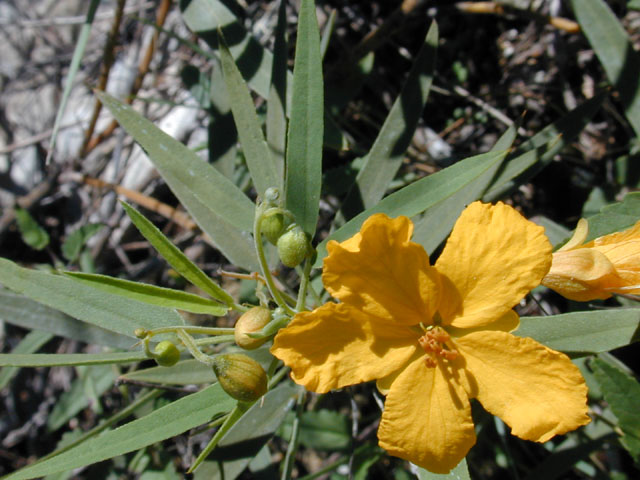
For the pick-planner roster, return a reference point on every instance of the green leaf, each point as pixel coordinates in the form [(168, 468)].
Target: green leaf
[(204, 17), (69, 359), (142, 292), (583, 333), (276, 123), (166, 422), (422, 195), (248, 435), (21, 311), (217, 205), (262, 165), (461, 472), (88, 304), (76, 240), (621, 391), (32, 234), (322, 430), (85, 392), (537, 152), (385, 157), (187, 372), (304, 142), (615, 51), (616, 217), (434, 225), (562, 460), (178, 260), (29, 344), (78, 52)]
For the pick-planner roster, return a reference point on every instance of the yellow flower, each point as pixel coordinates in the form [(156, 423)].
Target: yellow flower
[(596, 270), (435, 337)]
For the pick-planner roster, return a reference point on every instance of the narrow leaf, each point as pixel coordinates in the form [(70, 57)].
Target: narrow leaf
[(29, 344), (616, 217), (621, 391), (303, 176), (254, 61), (276, 123), (26, 313), (583, 333), (166, 422), (154, 295), (434, 225), (187, 372), (69, 359), (385, 157), (88, 304), (178, 260), (261, 164), (615, 51), (421, 195), (217, 205), (536, 153)]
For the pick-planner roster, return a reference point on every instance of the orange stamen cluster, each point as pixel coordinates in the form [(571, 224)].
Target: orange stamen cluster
[(437, 342)]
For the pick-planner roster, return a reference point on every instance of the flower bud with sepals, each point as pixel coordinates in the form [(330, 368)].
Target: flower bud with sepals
[(251, 321), (240, 376), (293, 246)]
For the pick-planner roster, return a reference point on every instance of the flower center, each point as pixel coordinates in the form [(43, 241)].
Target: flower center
[(436, 342)]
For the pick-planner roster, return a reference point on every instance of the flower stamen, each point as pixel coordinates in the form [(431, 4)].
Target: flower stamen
[(437, 342)]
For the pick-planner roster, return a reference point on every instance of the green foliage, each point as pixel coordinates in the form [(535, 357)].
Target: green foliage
[(32, 234), (621, 391)]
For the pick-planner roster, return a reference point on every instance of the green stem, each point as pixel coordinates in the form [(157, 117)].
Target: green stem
[(233, 417), (277, 377), (293, 441), (304, 283), (334, 465), (214, 340), (264, 266), (189, 329), (190, 343)]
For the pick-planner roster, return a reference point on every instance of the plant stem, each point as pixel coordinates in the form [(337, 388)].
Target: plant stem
[(202, 330), (266, 273), (293, 441), (304, 283), (190, 343), (233, 417)]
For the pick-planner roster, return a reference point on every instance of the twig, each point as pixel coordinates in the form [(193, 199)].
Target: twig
[(108, 58), (497, 9), (143, 69)]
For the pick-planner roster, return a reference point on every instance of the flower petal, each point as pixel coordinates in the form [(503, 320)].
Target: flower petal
[(427, 418), (336, 345), (582, 274), (381, 272), (494, 257), (537, 391)]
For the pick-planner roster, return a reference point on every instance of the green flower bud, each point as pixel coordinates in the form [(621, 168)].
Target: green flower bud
[(251, 321), (273, 226), (140, 332), (293, 246), (240, 376), (167, 354)]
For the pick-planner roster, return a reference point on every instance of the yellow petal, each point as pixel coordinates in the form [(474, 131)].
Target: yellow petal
[(427, 418), (336, 345), (494, 257), (582, 274), (579, 236), (383, 273), (537, 391)]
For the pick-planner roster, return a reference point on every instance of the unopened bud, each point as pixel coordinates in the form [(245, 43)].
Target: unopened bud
[(240, 376), (251, 321), (293, 246), (166, 354), (272, 227), (140, 333)]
